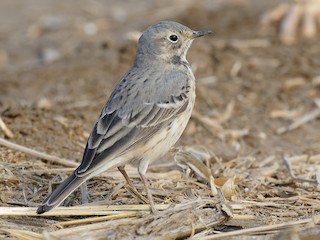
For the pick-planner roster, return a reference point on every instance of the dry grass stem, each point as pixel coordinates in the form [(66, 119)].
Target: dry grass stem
[(83, 228), (48, 171), (210, 124), (243, 217), (300, 121), (274, 15), (7, 132), (285, 114), (293, 83), (289, 167), (90, 210), (22, 234), (100, 219), (50, 158), (227, 114), (262, 229), (214, 125)]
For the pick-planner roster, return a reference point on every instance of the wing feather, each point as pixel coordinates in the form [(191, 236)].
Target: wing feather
[(135, 117)]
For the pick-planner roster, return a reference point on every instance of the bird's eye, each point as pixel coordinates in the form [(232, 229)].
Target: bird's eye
[(173, 38)]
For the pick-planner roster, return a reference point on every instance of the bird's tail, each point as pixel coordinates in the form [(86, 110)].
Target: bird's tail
[(61, 193)]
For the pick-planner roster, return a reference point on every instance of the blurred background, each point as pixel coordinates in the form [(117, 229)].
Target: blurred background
[(60, 60)]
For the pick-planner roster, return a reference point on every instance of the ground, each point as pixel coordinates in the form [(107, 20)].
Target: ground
[(257, 105)]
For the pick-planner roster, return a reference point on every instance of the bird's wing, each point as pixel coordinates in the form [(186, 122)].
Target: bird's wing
[(135, 112)]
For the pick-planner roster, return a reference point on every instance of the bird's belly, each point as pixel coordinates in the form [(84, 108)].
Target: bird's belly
[(154, 147), (161, 142)]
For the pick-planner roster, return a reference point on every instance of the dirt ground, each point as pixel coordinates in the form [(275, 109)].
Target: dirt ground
[(60, 60)]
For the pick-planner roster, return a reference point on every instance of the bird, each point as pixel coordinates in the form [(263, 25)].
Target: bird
[(144, 116)]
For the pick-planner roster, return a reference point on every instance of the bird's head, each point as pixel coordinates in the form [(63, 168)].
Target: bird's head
[(166, 40)]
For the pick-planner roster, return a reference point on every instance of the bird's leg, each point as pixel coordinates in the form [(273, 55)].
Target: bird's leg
[(133, 189), (149, 195), (142, 169), (84, 193)]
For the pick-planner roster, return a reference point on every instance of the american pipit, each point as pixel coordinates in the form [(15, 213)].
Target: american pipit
[(146, 113)]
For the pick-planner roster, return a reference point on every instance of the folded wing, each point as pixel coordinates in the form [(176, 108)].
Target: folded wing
[(137, 109)]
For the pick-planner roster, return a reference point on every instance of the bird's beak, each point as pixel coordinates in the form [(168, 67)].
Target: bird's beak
[(196, 34)]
